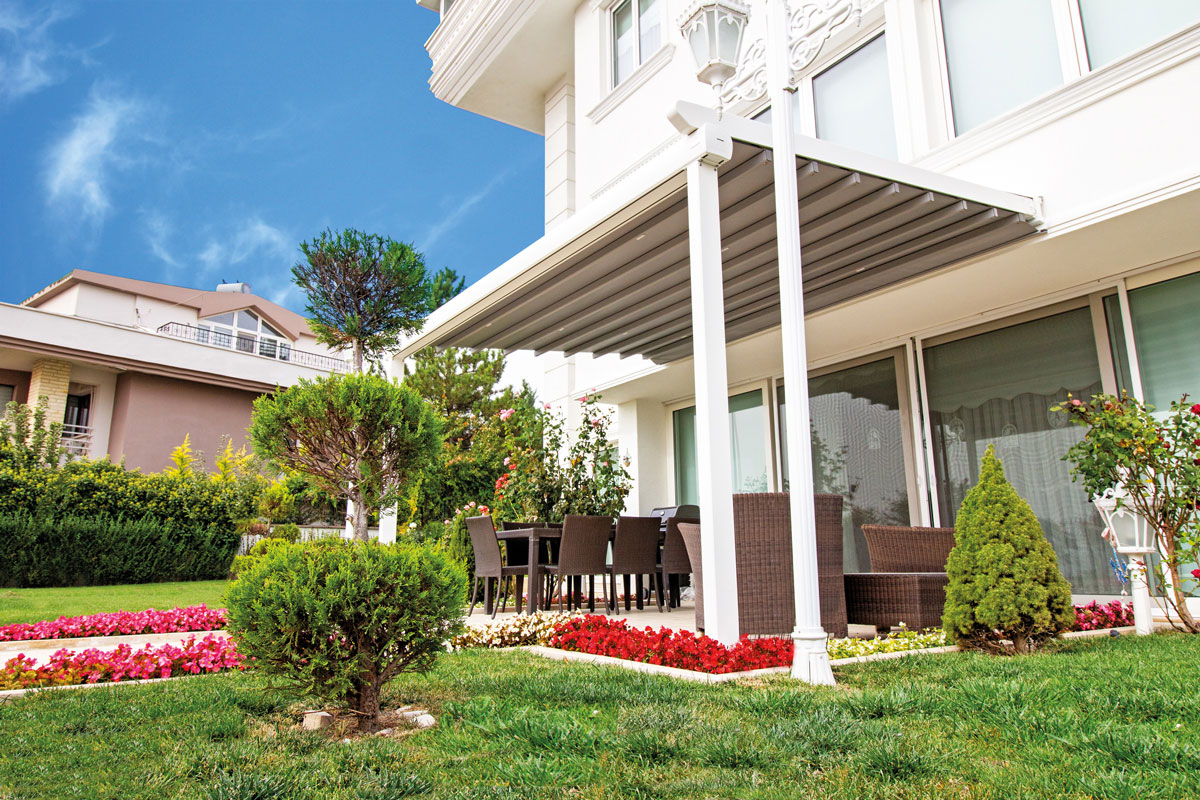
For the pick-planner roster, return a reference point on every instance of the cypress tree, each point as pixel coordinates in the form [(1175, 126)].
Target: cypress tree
[(1004, 576)]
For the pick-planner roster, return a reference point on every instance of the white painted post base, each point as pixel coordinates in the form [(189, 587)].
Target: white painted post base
[(1143, 609), (387, 524), (810, 663)]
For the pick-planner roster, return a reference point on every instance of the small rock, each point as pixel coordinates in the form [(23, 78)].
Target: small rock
[(316, 720), (384, 732), (411, 715), (346, 741), (426, 721)]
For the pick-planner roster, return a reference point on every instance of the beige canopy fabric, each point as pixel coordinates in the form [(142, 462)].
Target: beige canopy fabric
[(622, 285)]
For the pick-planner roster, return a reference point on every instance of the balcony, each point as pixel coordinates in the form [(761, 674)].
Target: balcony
[(77, 440), (261, 346), (499, 58)]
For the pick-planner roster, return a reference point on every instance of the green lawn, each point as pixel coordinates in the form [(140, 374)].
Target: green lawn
[(1102, 718), (34, 605)]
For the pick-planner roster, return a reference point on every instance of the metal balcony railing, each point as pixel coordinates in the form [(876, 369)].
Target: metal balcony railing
[(77, 440), (255, 345)]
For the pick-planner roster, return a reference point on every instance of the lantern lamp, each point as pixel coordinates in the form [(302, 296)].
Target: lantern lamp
[(713, 30), (1131, 535)]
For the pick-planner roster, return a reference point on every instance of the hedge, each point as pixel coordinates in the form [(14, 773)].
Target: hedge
[(85, 551)]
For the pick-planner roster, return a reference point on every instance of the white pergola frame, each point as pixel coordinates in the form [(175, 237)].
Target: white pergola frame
[(708, 145)]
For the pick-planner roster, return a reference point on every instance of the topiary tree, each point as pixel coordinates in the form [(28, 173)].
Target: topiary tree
[(338, 620), (357, 436), (364, 291), (1004, 576)]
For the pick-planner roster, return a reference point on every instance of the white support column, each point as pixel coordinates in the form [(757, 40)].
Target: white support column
[(712, 405), (811, 661)]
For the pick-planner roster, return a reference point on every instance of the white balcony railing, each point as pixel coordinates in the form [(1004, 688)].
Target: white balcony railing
[(77, 440), (252, 344)]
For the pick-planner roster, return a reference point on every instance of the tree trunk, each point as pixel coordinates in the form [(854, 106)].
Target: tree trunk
[(367, 704), (358, 356), (359, 520)]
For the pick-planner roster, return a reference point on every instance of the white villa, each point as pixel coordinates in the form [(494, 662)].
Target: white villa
[(998, 204)]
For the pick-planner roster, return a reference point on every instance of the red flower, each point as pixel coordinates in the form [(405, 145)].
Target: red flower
[(1196, 408)]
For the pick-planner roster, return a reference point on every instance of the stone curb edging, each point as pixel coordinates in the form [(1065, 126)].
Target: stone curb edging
[(706, 677), (102, 642), (12, 694), (650, 669)]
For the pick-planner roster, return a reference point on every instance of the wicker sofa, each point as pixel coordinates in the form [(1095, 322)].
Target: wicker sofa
[(908, 581), (762, 533)]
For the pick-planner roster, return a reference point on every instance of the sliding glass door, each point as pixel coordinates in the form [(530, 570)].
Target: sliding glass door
[(748, 443), (858, 449), (998, 388)]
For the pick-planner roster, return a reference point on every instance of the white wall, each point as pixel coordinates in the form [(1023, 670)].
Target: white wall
[(106, 305)]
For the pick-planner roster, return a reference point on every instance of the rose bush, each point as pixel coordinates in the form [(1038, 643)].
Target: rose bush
[(119, 623), (1155, 458), (65, 667)]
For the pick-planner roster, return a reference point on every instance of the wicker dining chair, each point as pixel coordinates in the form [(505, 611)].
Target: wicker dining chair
[(634, 554), (583, 552), (673, 562), (518, 553), (489, 566), (908, 580), (762, 533)]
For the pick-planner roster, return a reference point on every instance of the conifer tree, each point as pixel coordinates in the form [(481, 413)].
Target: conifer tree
[(1004, 576)]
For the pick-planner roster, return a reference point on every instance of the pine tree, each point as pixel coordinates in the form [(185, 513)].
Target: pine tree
[(1004, 576)]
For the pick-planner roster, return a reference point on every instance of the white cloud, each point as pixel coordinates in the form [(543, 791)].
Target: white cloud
[(158, 230), (79, 164), (30, 60), (252, 238), (453, 219)]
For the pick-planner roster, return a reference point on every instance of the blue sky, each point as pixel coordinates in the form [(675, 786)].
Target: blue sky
[(195, 142)]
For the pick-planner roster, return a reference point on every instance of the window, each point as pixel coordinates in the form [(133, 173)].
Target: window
[(857, 450), (79, 407), (245, 331), (852, 101), (998, 388), (747, 446), (636, 35), (1164, 322), (6, 396), (999, 55), (1112, 28)]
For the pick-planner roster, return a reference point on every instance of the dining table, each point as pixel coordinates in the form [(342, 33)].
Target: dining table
[(535, 536)]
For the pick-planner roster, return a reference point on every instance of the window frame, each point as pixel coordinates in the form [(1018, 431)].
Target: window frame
[(208, 331), (640, 58), (1074, 63)]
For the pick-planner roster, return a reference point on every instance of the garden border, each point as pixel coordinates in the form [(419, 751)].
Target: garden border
[(708, 677)]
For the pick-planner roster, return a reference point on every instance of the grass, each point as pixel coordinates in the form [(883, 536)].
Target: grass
[(34, 605), (1101, 718)]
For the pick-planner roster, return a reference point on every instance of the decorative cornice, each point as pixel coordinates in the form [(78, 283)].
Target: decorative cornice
[(654, 153), (631, 84), (810, 25)]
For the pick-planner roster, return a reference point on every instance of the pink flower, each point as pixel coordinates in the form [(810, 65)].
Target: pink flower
[(583, 399), (1076, 402), (546, 406), (506, 413), (507, 461)]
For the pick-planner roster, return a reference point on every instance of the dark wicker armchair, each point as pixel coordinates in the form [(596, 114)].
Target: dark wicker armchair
[(762, 532), (908, 581), (490, 566)]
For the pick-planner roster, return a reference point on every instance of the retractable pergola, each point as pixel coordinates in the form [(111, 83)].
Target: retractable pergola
[(692, 255)]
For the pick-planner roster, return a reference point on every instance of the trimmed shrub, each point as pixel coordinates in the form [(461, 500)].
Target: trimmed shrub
[(90, 551), (242, 563), (289, 532), (1004, 576), (339, 619)]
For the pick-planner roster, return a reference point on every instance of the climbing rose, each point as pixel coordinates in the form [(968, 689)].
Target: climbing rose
[(506, 413)]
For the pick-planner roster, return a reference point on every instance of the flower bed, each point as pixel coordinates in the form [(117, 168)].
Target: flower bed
[(680, 649), (174, 620), (65, 667), (519, 631), (896, 641), (1094, 617)]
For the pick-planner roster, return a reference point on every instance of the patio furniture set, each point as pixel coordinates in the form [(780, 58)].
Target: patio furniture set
[(906, 585)]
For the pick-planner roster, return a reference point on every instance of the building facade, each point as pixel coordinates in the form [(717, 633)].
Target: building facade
[(130, 367), (1087, 108)]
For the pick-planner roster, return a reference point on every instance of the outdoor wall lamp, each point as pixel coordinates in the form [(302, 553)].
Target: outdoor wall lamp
[(1131, 535), (713, 29)]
